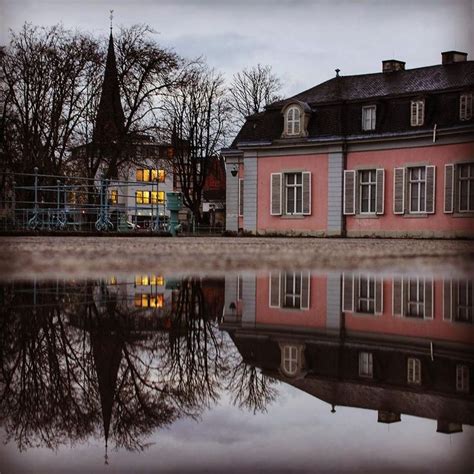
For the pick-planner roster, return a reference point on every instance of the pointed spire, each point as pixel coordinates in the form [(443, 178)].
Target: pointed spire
[(110, 120)]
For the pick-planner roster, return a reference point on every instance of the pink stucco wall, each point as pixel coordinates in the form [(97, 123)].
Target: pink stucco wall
[(386, 323), (390, 159), (314, 317), (317, 164)]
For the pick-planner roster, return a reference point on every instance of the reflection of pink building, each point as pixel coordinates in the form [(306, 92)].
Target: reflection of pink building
[(395, 345), (387, 154)]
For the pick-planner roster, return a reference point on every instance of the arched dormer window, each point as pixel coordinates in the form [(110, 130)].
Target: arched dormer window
[(293, 120), (296, 117)]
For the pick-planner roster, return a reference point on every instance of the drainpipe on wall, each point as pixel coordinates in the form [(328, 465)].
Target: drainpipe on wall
[(344, 165)]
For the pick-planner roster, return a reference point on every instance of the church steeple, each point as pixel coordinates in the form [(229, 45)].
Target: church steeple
[(110, 120)]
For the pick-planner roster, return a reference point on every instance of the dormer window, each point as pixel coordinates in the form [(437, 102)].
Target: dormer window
[(465, 107), (417, 112), (368, 117), (293, 121)]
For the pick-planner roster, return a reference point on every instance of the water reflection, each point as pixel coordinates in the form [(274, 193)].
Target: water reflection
[(119, 359)]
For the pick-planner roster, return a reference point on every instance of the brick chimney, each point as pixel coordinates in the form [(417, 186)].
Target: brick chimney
[(392, 65), (450, 57)]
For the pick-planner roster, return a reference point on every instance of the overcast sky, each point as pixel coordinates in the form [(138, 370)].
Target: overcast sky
[(304, 40)]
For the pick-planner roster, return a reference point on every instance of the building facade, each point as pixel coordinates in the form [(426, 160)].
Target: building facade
[(389, 154)]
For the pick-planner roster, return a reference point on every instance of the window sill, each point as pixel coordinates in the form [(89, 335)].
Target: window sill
[(292, 216), (358, 313), (367, 216), (415, 216), (463, 214)]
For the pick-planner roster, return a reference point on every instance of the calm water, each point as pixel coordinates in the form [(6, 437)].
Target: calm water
[(286, 371)]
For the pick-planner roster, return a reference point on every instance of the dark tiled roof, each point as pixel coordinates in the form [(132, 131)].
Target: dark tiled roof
[(411, 81), (390, 88)]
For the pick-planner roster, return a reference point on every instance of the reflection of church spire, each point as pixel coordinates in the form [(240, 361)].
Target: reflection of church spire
[(110, 120), (107, 353)]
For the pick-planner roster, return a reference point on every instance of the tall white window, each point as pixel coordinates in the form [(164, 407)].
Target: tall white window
[(368, 117), (414, 371), (366, 364), (290, 359), (367, 191), (417, 188), (465, 303), (462, 378), (292, 296), (466, 187), (417, 112), (294, 193), (465, 107), (293, 121)]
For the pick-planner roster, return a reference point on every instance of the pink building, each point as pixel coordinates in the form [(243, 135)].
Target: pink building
[(389, 154)]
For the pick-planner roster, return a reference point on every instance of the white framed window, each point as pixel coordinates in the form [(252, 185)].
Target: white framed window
[(289, 290), (367, 191), (414, 371), (465, 107), (294, 193), (417, 189), (292, 290), (290, 359), (417, 113), (369, 117), (366, 364), (293, 121), (466, 187), (462, 378), (241, 197), (415, 298)]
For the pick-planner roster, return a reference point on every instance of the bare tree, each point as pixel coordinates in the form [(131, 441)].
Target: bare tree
[(199, 114), (252, 89)]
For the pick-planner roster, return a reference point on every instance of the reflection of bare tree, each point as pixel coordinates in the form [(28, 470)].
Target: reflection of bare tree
[(83, 362)]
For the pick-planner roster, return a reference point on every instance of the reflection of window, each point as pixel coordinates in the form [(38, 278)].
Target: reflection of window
[(414, 371), (239, 287), (365, 364), (462, 378), (145, 280), (145, 300), (113, 196), (289, 290), (464, 307), (294, 193), (366, 297), (290, 359), (415, 298)]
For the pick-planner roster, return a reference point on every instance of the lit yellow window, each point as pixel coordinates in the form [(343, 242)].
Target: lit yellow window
[(144, 301), (142, 197), (158, 175), (113, 280), (160, 299), (139, 175), (146, 175), (141, 280), (113, 196), (160, 281), (152, 302), (157, 197)]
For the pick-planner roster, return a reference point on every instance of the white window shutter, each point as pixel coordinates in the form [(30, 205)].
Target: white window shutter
[(276, 194), (397, 290), (430, 189), (399, 190), (274, 290), (449, 189), (349, 192), (428, 298), (380, 191), (378, 284), (347, 292), (305, 290), (421, 112), (307, 194)]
